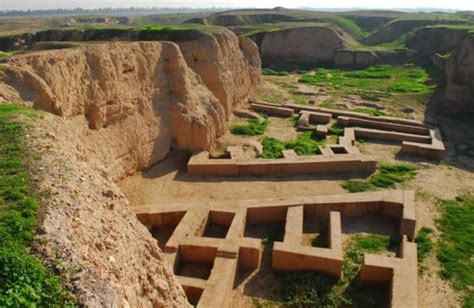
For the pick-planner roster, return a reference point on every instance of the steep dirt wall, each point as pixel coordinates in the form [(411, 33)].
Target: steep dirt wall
[(459, 89), (315, 45), (86, 230), (228, 65), (27, 40), (397, 28), (114, 109), (431, 40), (139, 99), (230, 20), (393, 30)]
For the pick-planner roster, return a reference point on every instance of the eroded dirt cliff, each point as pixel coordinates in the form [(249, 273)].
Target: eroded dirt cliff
[(459, 90), (114, 109), (139, 99), (299, 45)]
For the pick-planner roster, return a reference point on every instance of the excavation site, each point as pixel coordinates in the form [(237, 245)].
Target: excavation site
[(236, 158)]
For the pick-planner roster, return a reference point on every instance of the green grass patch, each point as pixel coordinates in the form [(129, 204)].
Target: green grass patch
[(424, 245), (253, 127), (24, 281), (351, 27), (357, 186), (387, 176), (382, 78), (306, 289), (336, 130), (371, 112), (272, 148), (305, 144), (397, 45), (456, 245)]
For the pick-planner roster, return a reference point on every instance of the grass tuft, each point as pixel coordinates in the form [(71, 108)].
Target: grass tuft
[(424, 245), (388, 176), (253, 127), (304, 144)]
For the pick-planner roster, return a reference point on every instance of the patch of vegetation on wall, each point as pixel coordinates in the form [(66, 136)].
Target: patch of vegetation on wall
[(387, 176), (24, 280), (456, 245)]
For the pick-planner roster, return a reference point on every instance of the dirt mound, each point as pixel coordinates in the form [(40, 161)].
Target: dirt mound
[(117, 108)]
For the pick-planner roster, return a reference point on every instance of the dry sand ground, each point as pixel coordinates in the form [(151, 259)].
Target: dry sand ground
[(167, 182)]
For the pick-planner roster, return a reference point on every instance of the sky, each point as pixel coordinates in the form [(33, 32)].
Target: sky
[(45, 4)]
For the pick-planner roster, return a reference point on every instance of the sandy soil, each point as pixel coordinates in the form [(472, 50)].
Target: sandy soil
[(168, 182)]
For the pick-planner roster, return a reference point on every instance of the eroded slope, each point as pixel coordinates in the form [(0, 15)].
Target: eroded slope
[(114, 109)]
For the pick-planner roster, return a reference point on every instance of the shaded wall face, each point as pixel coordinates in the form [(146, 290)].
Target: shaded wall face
[(459, 90), (301, 45)]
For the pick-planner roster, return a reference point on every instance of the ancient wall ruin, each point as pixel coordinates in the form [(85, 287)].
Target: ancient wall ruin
[(208, 243)]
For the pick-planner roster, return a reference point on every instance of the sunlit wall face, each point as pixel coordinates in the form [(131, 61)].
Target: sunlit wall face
[(45, 4)]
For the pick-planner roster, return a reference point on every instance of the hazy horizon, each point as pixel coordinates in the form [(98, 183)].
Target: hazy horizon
[(334, 4)]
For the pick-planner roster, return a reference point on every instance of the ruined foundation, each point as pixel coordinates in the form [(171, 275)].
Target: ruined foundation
[(209, 242)]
